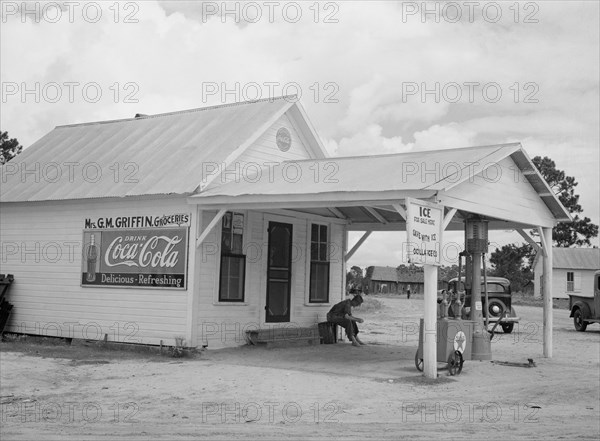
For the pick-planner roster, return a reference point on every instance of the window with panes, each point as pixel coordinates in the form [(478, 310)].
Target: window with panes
[(233, 260), (319, 264)]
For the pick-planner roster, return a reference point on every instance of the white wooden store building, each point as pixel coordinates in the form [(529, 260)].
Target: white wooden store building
[(207, 223)]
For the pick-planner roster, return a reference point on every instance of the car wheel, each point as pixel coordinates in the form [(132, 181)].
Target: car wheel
[(418, 362), (496, 308), (507, 327), (580, 324), (455, 363)]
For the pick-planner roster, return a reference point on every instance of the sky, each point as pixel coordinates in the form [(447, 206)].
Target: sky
[(374, 77)]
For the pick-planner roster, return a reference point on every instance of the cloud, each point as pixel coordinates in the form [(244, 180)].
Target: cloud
[(371, 141), (372, 80)]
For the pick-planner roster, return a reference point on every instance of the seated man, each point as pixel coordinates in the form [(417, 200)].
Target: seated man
[(341, 314)]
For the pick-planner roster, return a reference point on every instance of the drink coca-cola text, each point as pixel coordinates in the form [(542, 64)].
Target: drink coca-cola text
[(154, 252)]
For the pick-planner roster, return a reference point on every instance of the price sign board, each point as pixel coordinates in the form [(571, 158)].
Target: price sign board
[(424, 231)]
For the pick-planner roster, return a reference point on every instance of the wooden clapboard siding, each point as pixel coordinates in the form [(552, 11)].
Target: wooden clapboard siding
[(264, 151), (583, 286), (502, 192), (224, 324), (49, 300), (47, 294)]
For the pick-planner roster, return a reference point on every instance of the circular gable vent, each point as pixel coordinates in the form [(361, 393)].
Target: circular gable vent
[(283, 139)]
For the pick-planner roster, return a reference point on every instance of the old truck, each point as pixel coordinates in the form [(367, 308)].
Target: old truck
[(585, 309)]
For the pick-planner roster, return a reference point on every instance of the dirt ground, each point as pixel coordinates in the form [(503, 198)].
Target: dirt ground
[(329, 392)]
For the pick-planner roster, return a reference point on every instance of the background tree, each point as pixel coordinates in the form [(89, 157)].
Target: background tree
[(566, 234), (10, 148), (354, 279), (446, 273), (513, 262)]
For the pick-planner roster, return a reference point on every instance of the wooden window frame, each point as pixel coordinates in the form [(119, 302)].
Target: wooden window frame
[(225, 254), (322, 261), (571, 283)]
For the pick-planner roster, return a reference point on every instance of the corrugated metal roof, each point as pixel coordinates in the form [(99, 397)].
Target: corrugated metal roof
[(576, 258), (149, 155), (422, 170), (167, 154)]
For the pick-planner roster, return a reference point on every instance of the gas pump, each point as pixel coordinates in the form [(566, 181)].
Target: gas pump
[(476, 244), (462, 335)]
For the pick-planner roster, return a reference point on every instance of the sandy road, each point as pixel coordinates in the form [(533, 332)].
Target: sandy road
[(315, 392)]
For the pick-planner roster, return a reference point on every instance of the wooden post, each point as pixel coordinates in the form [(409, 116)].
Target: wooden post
[(430, 321), (547, 291), (193, 282)]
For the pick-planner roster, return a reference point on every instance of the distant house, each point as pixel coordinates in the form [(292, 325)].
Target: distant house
[(386, 279), (382, 279), (572, 271)]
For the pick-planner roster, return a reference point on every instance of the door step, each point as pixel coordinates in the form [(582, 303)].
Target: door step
[(285, 336)]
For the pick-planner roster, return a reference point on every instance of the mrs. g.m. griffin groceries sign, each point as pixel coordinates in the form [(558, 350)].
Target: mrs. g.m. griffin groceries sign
[(140, 257)]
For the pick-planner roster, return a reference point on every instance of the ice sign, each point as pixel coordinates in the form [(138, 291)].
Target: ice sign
[(424, 231)]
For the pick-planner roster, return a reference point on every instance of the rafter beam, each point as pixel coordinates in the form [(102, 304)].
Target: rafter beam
[(337, 212), (382, 208), (401, 211), (544, 243), (355, 248), (210, 226), (448, 218), (376, 215), (525, 235)]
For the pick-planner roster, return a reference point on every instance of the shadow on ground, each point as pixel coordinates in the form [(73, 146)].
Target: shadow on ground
[(375, 361)]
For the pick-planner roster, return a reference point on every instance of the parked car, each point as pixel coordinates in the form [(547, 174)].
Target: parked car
[(585, 309), (499, 297)]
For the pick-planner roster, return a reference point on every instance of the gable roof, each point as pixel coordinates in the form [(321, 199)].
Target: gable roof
[(420, 174), (384, 274), (148, 155), (394, 172), (390, 274), (576, 258)]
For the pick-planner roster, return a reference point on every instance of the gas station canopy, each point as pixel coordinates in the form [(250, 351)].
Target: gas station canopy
[(499, 182)]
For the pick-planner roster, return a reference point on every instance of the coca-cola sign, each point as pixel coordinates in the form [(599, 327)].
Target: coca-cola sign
[(154, 258)]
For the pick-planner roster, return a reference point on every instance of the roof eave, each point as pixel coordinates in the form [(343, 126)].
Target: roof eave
[(558, 210)]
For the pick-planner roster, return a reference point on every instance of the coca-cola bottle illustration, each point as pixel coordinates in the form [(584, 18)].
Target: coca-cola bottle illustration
[(92, 256)]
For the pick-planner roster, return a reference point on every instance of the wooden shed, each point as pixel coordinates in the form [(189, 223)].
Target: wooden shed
[(382, 280)]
